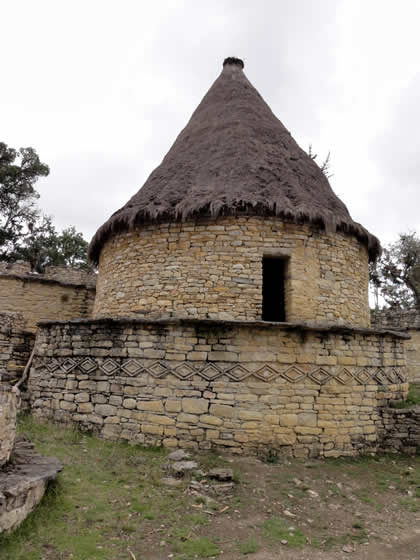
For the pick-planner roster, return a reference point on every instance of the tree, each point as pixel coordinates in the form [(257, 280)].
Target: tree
[(396, 275), (26, 233), (43, 246), (19, 170)]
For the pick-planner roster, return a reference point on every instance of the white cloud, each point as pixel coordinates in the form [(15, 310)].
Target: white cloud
[(101, 89)]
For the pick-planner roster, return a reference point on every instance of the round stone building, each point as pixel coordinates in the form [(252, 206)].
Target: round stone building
[(237, 222), (232, 303)]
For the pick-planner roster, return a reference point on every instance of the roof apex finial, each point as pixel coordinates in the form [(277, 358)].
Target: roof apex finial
[(233, 61)]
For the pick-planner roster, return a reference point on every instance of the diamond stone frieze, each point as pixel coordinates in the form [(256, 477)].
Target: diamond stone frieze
[(88, 365), (266, 373), (52, 365), (391, 376), (68, 365), (293, 374), (131, 367), (237, 373), (380, 377), (211, 372), (319, 376), (184, 370), (345, 376), (363, 376), (400, 374), (109, 366), (158, 369)]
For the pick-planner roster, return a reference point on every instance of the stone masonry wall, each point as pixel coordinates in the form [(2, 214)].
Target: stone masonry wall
[(15, 346), (399, 430), (407, 321), (60, 293), (213, 269), (8, 408), (202, 384)]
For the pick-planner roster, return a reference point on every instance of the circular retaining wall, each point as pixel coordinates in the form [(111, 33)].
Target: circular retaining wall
[(213, 269), (202, 384)]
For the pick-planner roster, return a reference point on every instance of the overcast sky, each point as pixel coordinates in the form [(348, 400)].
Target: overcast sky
[(102, 88)]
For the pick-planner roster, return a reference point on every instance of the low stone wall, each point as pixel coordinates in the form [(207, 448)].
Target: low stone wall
[(60, 293), (199, 384), (408, 321), (399, 430), (8, 408), (15, 346)]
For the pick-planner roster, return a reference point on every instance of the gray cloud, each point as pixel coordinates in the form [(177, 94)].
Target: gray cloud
[(108, 90)]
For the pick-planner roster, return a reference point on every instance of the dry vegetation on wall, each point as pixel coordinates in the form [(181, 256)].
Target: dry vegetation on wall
[(115, 501)]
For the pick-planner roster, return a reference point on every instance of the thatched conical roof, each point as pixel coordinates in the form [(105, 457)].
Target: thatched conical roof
[(235, 157)]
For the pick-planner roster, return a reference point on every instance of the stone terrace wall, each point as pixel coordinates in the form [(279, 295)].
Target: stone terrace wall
[(407, 321), (399, 430), (201, 384), (15, 346), (60, 293), (213, 269)]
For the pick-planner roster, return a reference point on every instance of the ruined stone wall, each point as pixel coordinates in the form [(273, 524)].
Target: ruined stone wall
[(399, 430), (213, 269), (407, 321), (60, 293), (15, 346), (200, 384)]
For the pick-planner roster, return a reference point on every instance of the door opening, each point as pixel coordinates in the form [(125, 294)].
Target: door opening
[(273, 293)]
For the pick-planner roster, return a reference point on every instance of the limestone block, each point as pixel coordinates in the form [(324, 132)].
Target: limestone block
[(195, 406), (187, 418), (154, 406), (129, 403), (160, 419), (288, 419), (105, 409), (152, 429), (307, 419), (85, 408), (221, 410), (172, 405), (212, 420)]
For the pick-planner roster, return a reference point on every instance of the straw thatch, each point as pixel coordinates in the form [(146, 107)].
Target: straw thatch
[(235, 157)]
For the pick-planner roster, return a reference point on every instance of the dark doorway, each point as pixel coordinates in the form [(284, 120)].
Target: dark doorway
[(273, 307)]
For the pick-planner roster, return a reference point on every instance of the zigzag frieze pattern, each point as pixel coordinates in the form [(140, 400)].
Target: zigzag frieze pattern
[(235, 372)]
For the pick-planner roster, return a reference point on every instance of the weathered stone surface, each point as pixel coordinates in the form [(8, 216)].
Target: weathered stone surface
[(181, 467), (178, 455), (15, 345), (23, 484), (8, 409), (221, 474)]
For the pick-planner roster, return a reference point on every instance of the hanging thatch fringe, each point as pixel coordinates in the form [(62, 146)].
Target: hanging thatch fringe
[(235, 157)]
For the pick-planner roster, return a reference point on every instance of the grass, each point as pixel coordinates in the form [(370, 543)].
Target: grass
[(413, 397), (109, 500), (250, 546), (278, 529), (107, 496), (201, 547)]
